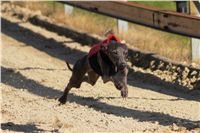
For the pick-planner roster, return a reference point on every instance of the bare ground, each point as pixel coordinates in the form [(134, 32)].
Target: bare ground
[(34, 75)]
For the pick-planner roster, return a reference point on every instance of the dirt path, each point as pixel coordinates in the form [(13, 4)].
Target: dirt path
[(34, 75)]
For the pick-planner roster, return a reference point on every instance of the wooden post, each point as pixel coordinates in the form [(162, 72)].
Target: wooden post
[(196, 42), (68, 9)]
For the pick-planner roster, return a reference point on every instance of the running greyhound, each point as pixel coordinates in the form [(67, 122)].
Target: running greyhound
[(107, 59)]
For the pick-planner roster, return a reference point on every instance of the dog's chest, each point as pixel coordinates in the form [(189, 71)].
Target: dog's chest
[(93, 60)]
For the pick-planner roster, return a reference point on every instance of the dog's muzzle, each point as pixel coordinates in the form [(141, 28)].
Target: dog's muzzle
[(121, 67)]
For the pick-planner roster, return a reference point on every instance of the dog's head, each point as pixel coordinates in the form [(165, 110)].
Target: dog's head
[(117, 53)]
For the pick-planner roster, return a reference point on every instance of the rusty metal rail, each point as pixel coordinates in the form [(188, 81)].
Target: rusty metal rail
[(159, 19)]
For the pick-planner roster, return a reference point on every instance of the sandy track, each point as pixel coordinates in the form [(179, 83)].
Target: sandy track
[(34, 75)]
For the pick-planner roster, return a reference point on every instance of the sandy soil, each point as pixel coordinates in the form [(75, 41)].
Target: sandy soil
[(34, 75)]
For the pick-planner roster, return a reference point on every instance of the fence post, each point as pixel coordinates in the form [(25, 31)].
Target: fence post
[(68, 9), (196, 42), (181, 6), (122, 26)]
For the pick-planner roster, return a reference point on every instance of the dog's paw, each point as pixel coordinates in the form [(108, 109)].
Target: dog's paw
[(62, 100), (124, 93), (118, 85)]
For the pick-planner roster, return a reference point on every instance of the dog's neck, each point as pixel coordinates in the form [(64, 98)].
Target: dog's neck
[(110, 64)]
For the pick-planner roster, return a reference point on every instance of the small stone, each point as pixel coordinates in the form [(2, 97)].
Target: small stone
[(156, 122), (175, 127)]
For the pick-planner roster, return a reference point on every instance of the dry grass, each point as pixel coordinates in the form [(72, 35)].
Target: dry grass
[(169, 45), (164, 44)]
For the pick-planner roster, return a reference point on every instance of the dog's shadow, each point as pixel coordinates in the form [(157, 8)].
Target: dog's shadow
[(21, 127), (17, 80)]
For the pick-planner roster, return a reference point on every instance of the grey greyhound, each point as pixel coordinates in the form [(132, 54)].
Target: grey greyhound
[(107, 59)]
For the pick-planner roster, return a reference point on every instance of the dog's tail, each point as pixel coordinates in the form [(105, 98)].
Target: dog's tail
[(68, 66)]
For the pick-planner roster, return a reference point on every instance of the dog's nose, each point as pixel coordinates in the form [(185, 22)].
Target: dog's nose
[(122, 66)]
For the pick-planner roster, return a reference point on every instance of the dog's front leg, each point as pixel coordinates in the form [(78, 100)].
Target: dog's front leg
[(124, 91), (120, 82)]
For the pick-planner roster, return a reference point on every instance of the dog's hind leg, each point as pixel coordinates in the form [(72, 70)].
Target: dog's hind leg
[(75, 81), (78, 75), (92, 77)]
